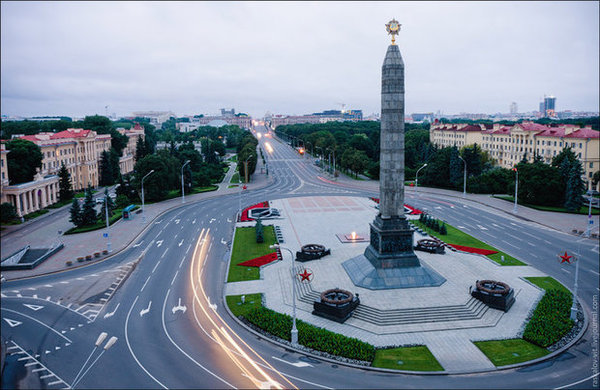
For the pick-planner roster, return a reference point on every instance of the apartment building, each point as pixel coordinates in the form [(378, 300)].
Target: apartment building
[(508, 145)]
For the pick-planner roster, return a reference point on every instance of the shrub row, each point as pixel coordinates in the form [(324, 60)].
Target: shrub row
[(550, 320), (433, 223), (320, 339)]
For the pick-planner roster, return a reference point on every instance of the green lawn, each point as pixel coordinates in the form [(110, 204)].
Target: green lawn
[(547, 283), (505, 352), (458, 237), (417, 358), (177, 193), (583, 210), (240, 309), (232, 186), (117, 214), (235, 178), (233, 158), (245, 248)]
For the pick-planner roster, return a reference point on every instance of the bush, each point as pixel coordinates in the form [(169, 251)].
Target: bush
[(122, 201), (69, 263), (259, 232), (443, 229), (550, 320), (7, 212), (320, 339)]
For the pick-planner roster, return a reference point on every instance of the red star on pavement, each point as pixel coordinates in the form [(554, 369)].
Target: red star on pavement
[(565, 258), (305, 275)]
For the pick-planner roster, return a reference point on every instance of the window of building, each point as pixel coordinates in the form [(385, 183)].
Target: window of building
[(579, 154), (580, 145), (560, 143), (591, 165)]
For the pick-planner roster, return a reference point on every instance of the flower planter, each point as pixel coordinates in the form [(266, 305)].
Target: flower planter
[(96, 254), (105, 252), (80, 259), (69, 263), (88, 258)]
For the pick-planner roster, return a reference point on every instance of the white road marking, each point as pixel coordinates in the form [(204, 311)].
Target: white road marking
[(188, 249), (481, 227), (154, 269), (194, 221), (181, 243), (33, 307), (177, 221), (172, 281), (112, 313), (36, 320), (508, 243), (212, 220), (164, 253), (565, 270), (179, 307), (145, 283), (138, 244), (159, 243), (146, 310)]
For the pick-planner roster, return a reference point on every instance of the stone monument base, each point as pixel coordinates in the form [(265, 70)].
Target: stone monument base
[(364, 274)]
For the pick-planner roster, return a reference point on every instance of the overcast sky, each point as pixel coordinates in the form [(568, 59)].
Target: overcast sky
[(70, 58)]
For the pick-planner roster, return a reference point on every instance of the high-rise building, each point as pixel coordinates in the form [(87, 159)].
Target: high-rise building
[(514, 108), (548, 106)]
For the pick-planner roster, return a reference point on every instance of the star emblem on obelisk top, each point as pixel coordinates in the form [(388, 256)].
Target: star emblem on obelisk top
[(392, 28), (565, 258)]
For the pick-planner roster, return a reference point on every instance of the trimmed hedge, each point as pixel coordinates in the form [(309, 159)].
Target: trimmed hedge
[(550, 320), (320, 339)]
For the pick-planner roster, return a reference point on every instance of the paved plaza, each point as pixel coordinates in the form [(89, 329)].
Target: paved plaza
[(445, 318)]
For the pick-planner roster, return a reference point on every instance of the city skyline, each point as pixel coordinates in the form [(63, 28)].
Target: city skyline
[(189, 58)]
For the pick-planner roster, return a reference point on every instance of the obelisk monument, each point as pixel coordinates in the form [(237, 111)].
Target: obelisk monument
[(392, 262)]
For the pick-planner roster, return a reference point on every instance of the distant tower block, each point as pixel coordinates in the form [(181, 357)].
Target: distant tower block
[(389, 261)]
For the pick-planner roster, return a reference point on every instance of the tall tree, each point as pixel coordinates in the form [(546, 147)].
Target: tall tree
[(140, 149), (574, 188), (106, 172), (115, 165), (456, 167), (23, 160), (64, 184), (75, 212), (111, 207), (88, 214)]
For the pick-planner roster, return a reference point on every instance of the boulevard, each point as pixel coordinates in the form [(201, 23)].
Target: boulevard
[(162, 297)]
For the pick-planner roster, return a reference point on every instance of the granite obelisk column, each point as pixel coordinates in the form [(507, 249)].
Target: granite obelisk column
[(389, 261), (391, 238)]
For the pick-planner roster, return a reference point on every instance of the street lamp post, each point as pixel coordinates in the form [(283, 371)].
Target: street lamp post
[(321, 159), (143, 210), (516, 187), (107, 223), (246, 169), (465, 177), (589, 226), (99, 341), (293, 272), (417, 179), (182, 189)]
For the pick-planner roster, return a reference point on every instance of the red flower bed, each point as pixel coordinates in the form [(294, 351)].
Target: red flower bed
[(260, 261), (245, 218), (473, 250)]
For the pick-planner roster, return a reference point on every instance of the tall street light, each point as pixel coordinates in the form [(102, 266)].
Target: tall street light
[(182, 190), (106, 347), (516, 187), (322, 154), (293, 272), (417, 178), (107, 223), (143, 212), (465, 177)]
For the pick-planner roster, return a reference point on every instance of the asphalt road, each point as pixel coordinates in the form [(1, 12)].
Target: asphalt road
[(173, 331)]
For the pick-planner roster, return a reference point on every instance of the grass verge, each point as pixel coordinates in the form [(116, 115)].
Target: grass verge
[(582, 210), (458, 237), (235, 178), (238, 308), (417, 358), (118, 213), (245, 248), (513, 351), (547, 283)]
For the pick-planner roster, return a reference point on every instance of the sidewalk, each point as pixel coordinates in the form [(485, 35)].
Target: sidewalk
[(122, 233)]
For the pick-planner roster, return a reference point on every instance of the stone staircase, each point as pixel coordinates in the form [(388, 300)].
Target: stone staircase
[(473, 309)]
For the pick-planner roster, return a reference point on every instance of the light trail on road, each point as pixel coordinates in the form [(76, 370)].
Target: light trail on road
[(247, 364)]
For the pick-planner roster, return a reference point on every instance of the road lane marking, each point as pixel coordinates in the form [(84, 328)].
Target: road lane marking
[(33, 307), (172, 281), (163, 255), (508, 243), (145, 311), (181, 243), (131, 350), (145, 283), (112, 313), (38, 321), (154, 269)]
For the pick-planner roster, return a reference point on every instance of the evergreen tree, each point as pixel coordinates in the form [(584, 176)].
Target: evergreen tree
[(75, 213), (574, 188), (140, 149), (565, 169), (443, 229), (456, 167), (114, 163), (8, 212), (259, 232), (111, 207), (64, 184), (88, 214), (106, 172)]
